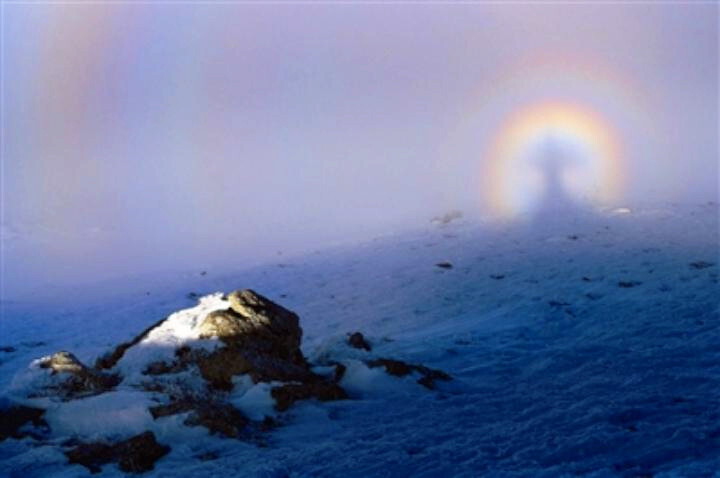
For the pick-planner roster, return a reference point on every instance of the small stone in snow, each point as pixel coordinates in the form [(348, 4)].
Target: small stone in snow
[(357, 340)]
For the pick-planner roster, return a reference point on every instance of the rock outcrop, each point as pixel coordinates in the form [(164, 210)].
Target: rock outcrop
[(260, 338), (257, 337), (74, 379), (428, 376), (357, 340), (14, 418), (134, 455), (191, 363), (286, 395)]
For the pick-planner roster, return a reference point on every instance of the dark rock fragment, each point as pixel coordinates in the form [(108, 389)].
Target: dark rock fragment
[(172, 408), (220, 418), (558, 303), (134, 455), (401, 369), (357, 340), (393, 367), (339, 372), (286, 395), (14, 417)]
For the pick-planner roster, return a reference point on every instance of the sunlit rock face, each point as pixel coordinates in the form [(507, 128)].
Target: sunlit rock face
[(251, 314), (63, 362), (69, 378), (260, 338)]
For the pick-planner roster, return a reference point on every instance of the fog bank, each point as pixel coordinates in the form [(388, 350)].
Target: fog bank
[(146, 137)]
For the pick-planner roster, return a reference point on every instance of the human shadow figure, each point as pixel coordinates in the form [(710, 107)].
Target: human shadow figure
[(556, 205)]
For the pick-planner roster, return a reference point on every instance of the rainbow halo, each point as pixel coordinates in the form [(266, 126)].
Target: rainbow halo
[(581, 141)]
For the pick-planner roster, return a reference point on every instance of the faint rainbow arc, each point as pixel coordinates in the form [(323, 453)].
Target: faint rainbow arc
[(517, 133)]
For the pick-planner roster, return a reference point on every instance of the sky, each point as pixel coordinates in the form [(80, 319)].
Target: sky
[(149, 136)]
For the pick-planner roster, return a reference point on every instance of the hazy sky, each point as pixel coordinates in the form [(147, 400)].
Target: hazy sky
[(153, 136)]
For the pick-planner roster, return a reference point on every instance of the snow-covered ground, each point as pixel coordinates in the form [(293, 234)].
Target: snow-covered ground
[(589, 347)]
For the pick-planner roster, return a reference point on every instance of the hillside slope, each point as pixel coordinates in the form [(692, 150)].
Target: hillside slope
[(589, 347)]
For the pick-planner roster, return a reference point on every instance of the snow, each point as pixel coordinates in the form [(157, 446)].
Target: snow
[(254, 400), (558, 369), (118, 414), (361, 381), (179, 329)]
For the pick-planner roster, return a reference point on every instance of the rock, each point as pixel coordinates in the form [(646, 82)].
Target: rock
[(261, 339), (224, 324), (357, 340), (444, 265), (557, 303), (251, 314), (393, 367), (91, 455), (286, 395), (162, 368), (108, 361), (399, 368), (7, 349), (266, 316), (222, 419), (139, 454), (14, 417), (446, 218), (207, 411), (497, 276), (701, 265), (254, 335), (430, 376), (219, 367), (63, 362), (135, 455), (172, 408), (628, 284), (77, 380), (339, 373)]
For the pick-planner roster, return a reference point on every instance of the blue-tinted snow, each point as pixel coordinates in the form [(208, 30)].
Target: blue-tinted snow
[(589, 348)]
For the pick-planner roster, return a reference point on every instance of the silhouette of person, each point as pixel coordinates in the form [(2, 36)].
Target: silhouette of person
[(555, 201)]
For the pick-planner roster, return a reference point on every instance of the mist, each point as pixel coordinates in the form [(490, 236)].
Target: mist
[(176, 136)]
